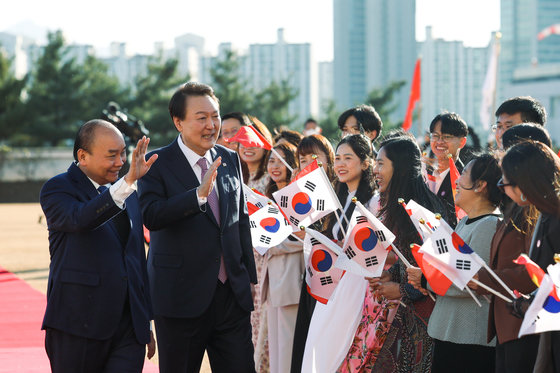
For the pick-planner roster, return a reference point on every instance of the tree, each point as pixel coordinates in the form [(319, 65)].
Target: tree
[(11, 107), (63, 94), (271, 104), (329, 122), (382, 99), (232, 90), (151, 99)]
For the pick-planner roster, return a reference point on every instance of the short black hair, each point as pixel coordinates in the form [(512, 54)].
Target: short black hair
[(530, 109), (366, 116), (178, 102), (525, 131), (241, 117), (86, 135), (293, 137), (451, 123)]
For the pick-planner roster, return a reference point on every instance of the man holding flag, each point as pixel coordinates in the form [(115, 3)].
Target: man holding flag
[(448, 135)]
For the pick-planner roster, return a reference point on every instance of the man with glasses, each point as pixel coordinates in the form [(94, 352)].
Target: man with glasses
[(515, 111), (448, 135)]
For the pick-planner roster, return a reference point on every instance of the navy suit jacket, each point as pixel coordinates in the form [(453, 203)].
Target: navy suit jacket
[(186, 242), (91, 272), (445, 193)]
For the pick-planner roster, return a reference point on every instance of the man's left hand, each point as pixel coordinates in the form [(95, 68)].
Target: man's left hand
[(138, 164)]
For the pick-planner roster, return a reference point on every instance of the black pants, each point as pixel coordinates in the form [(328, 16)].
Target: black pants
[(224, 330), (517, 356), (120, 354), (305, 311), (467, 358)]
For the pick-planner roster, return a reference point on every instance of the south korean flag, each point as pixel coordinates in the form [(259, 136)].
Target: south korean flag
[(268, 228), (254, 200), (321, 276), (453, 257), (366, 245), (308, 197)]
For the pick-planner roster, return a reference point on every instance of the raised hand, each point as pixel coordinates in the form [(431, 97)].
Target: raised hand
[(208, 180), (138, 164)]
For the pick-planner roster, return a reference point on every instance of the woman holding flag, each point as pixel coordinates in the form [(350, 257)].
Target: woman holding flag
[(310, 147), (457, 324), (512, 238), (338, 319), (531, 177), (404, 346), (282, 271)]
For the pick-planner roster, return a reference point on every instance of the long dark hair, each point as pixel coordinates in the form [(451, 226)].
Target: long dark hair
[(318, 143), (485, 167), (535, 169), (406, 183), (362, 147), (289, 151)]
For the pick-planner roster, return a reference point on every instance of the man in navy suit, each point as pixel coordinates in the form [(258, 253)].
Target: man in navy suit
[(200, 262), (98, 301)]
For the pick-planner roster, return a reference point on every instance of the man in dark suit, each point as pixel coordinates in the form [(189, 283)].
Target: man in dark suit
[(98, 302), (448, 135), (200, 262)]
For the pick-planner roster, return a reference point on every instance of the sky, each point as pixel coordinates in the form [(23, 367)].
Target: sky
[(141, 23)]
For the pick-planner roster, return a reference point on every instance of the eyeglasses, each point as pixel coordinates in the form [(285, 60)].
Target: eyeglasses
[(503, 186), (437, 137), (496, 128)]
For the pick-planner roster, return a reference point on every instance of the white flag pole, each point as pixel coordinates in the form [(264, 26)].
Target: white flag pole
[(340, 224), (282, 159), (493, 274), (491, 290), (468, 290)]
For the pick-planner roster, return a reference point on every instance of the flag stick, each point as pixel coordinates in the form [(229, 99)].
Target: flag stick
[(468, 290), (282, 159), (491, 290), (431, 296), (340, 224), (498, 279), (296, 237)]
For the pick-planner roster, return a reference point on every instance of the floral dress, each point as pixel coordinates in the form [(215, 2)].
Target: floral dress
[(258, 316)]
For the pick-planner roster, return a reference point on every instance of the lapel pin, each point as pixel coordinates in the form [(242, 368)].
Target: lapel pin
[(224, 164)]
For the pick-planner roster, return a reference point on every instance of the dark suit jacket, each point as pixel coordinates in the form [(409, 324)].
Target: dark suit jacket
[(90, 270), (445, 193), (507, 245), (186, 242)]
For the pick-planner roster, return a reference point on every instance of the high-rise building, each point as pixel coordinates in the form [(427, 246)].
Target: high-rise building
[(374, 45), (521, 21), (326, 88), (285, 61), (452, 79)]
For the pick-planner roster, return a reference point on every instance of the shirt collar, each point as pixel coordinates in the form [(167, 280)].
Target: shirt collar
[(191, 156)]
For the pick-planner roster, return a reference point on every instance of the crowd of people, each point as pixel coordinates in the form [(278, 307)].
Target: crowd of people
[(207, 289)]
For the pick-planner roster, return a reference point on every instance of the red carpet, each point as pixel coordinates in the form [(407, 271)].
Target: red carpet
[(21, 338)]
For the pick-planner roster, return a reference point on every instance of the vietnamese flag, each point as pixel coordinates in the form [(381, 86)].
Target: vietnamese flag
[(453, 176), (437, 280), (249, 138), (535, 272), (414, 96)]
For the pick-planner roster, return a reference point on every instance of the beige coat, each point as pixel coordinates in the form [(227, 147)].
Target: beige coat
[(282, 274)]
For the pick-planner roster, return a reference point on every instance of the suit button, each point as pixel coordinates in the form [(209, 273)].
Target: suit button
[(217, 260), (86, 325), (125, 278)]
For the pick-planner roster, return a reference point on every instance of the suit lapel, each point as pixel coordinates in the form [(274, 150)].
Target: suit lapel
[(84, 184)]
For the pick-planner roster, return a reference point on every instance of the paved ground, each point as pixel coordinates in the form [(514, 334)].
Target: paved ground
[(24, 247)]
